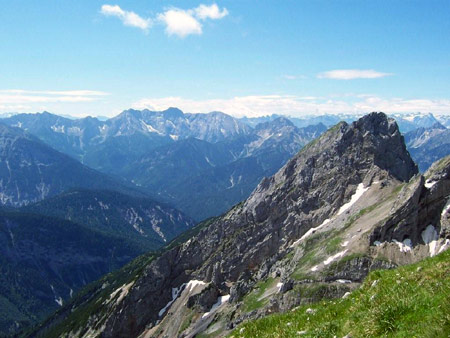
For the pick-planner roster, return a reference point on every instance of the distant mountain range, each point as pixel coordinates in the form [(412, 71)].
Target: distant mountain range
[(406, 122), (427, 145), (219, 159), (31, 171), (171, 154)]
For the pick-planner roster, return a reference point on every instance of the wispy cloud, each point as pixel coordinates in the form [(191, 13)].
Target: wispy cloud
[(213, 12), (351, 74), (55, 92), (179, 22), (294, 77), (128, 18), (17, 97), (296, 105)]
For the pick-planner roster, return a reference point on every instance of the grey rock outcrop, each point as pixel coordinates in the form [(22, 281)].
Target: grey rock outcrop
[(308, 189)]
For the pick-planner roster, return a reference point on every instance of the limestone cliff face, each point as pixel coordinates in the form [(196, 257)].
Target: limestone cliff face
[(341, 207)]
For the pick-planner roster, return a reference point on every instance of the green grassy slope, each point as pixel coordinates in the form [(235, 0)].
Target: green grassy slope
[(411, 301)]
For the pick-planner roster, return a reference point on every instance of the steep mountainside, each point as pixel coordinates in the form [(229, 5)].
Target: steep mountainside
[(31, 171), (44, 260), (427, 145), (52, 248), (144, 223), (349, 202)]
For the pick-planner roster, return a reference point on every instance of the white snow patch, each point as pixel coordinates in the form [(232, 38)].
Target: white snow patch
[(344, 244), (404, 246), (177, 291), (221, 300), (430, 237), (231, 182), (444, 246), (279, 286), (193, 283), (336, 256), (209, 162), (58, 300), (429, 184), (360, 190), (314, 268), (343, 281), (150, 128), (57, 129), (310, 232), (377, 243)]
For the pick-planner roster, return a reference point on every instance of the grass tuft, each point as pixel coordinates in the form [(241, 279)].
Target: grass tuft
[(411, 301)]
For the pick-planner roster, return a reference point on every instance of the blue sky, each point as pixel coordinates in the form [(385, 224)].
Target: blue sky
[(241, 57)]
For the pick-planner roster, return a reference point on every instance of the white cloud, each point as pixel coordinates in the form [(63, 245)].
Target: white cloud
[(127, 18), (213, 12), (55, 92), (351, 74), (180, 22), (18, 97), (260, 105)]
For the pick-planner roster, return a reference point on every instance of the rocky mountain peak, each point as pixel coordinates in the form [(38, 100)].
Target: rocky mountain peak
[(381, 137), (366, 150), (172, 113)]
